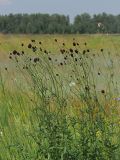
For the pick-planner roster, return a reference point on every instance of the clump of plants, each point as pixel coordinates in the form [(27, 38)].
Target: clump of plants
[(63, 115)]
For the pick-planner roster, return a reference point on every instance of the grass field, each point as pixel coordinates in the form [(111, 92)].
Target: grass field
[(59, 97)]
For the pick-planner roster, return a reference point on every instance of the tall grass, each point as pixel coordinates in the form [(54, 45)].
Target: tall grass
[(65, 113)]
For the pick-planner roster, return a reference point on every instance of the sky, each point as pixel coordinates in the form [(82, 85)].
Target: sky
[(67, 7)]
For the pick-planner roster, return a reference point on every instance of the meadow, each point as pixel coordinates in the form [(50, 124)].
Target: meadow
[(59, 97)]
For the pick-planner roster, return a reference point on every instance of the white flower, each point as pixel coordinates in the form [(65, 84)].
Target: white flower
[(72, 84), (117, 99)]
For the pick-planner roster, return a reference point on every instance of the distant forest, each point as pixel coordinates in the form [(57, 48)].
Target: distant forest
[(60, 24)]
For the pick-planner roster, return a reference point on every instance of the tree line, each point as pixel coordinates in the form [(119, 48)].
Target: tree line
[(51, 24)]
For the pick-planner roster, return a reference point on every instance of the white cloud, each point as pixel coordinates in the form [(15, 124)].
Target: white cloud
[(5, 2)]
